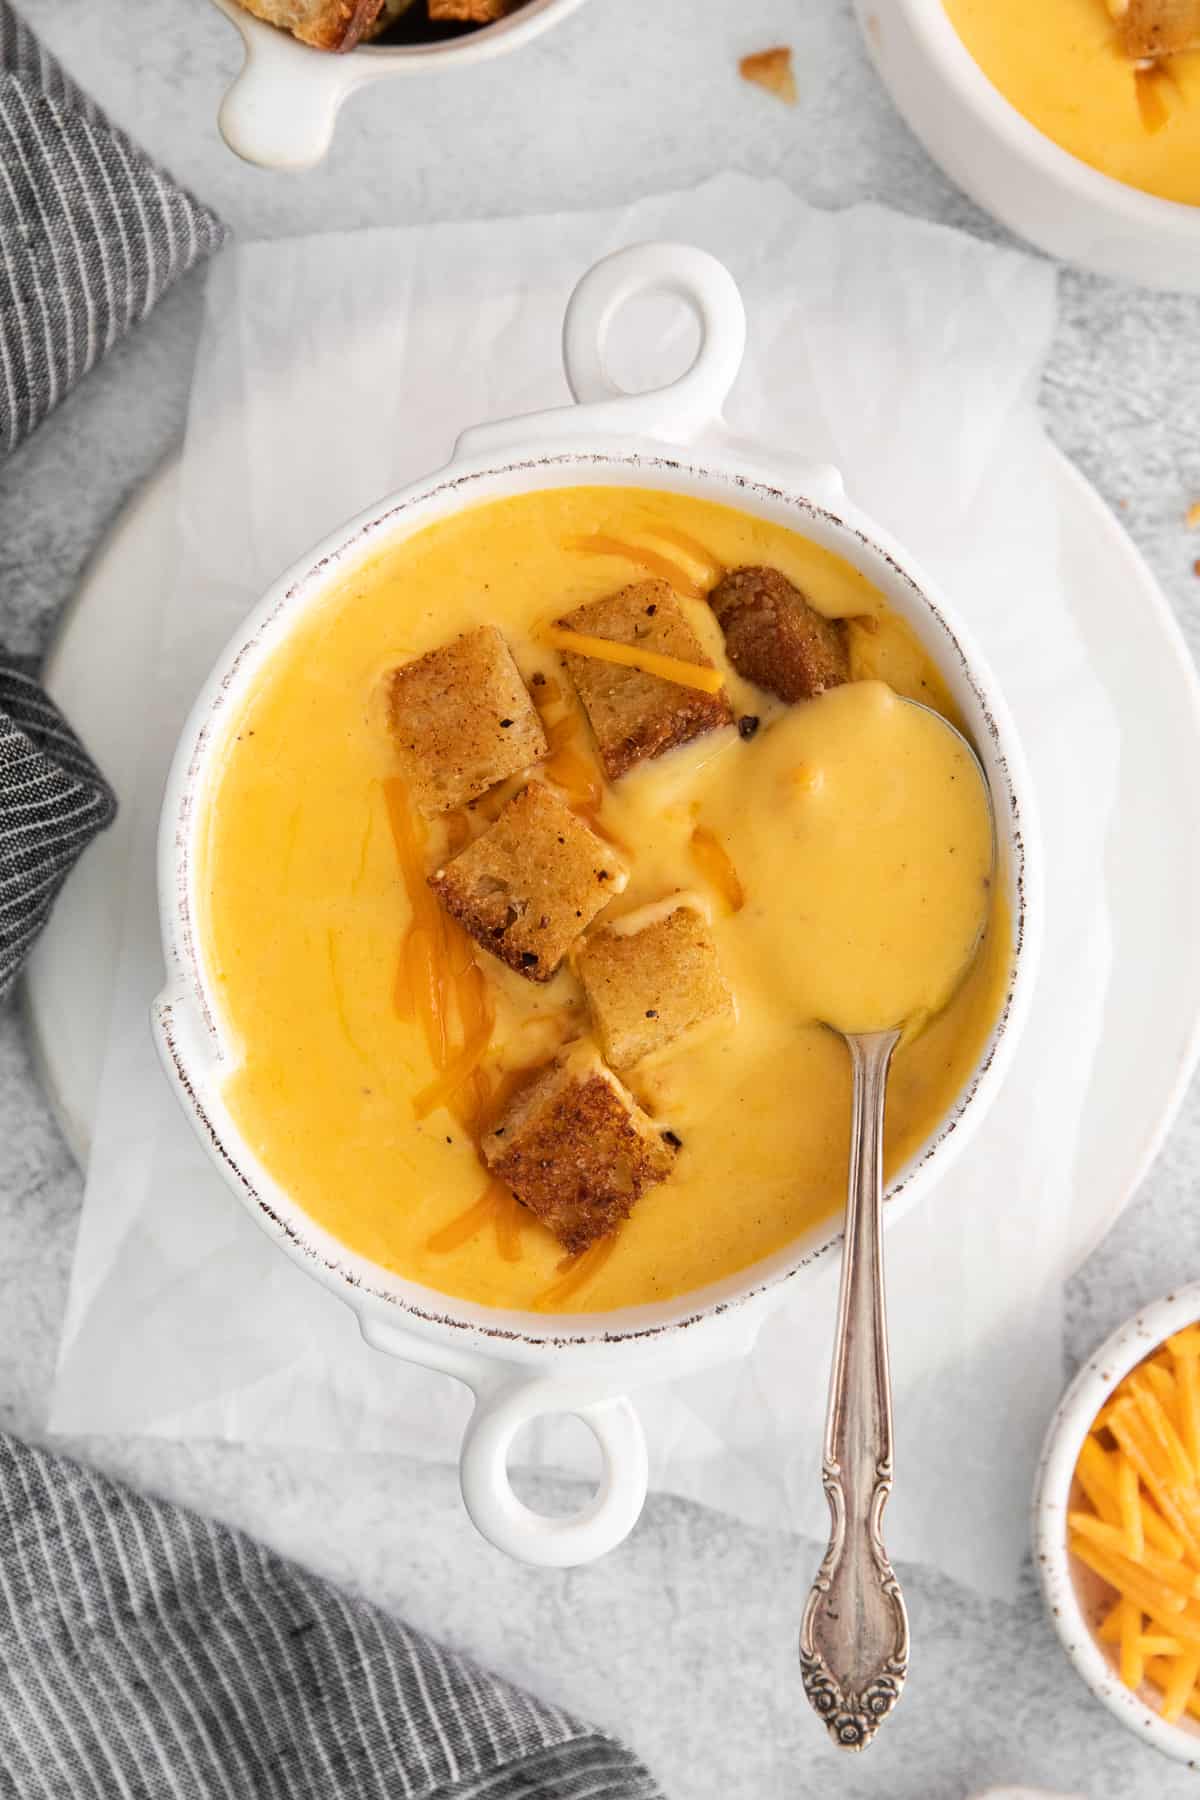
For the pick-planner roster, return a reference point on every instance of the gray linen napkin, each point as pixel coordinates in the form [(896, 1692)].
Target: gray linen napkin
[(53, 801), (91, 236), (146, 1652)]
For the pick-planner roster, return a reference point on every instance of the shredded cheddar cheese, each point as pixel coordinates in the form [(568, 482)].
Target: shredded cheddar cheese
[(438, 982), (693, 549), (632, 656), (650, 560), (572, 764), (712, 860), (575, 1272), (1139, 1473)]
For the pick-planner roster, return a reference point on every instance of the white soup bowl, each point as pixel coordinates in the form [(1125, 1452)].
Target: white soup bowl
[(522, 1364)]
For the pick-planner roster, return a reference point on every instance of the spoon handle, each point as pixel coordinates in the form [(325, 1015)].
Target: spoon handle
[(854, 1637)]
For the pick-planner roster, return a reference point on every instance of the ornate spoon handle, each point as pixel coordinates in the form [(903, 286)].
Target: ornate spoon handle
[(854, 1638)]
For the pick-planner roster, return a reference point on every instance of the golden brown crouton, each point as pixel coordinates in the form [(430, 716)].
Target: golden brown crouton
[(1150, 29), (393, 11), (577, 1149), (326, 24), (470, 12), (649, 977), (463, 720), (635, 716), (774, 638), (530, 885)]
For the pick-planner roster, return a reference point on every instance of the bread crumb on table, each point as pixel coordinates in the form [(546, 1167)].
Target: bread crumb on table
[(772, 70)]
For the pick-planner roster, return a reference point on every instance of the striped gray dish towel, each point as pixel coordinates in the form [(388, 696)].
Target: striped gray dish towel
[(91, 235), (147, 1653), (53, 801)]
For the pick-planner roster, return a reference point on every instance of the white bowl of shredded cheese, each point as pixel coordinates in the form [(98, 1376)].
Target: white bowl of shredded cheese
[(1117, 1523)]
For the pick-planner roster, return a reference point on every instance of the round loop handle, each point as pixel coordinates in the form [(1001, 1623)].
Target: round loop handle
[(683, 409), (553, 1543)]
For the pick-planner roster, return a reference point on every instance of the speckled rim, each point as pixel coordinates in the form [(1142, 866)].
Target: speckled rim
[(522, 1333), (1104, 1369)]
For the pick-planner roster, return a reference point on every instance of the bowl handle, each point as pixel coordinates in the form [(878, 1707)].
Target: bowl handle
[(281, 109), (532, 1537), (679, 413), (506, 1397), (689, 405)]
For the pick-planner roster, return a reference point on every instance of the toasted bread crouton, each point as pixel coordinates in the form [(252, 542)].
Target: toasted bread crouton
[(650, 977), (392, 11), (634, 716), (774, 638), (470, 12), (462, 720), (326, 24), (576, 1149), (531, 884), (1150, 29)]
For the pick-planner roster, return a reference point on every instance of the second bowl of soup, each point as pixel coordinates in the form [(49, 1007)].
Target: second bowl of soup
[(1075, 122)]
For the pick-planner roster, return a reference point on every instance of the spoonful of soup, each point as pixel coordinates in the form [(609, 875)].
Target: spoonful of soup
[(899, 809)]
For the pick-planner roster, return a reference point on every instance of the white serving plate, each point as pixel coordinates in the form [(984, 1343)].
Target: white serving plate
[(1152, 872)]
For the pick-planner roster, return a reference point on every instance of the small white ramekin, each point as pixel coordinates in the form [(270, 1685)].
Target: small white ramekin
[(1074, 1596), (1012, 169), (281, 110)]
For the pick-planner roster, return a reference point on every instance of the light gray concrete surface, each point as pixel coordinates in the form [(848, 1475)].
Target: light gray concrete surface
[(683, 1640)]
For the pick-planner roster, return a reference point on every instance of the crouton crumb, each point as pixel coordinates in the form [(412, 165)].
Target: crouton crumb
[(772, 70)]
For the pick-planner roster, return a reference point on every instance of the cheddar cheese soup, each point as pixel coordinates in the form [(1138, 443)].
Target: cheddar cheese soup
[(535, 869), (1115, 82)]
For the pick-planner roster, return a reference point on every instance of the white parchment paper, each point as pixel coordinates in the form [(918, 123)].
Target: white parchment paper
[(332, 369)]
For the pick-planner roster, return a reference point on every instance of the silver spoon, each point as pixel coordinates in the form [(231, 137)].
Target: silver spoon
[(854, 1636)]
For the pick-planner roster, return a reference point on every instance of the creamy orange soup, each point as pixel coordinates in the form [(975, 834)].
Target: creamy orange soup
[(1059, 62), (305, 910)]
